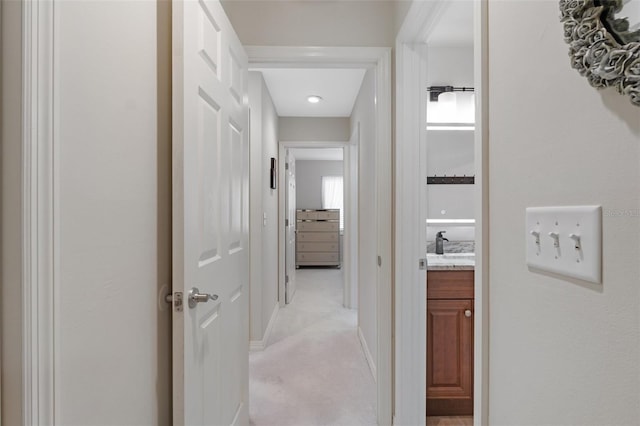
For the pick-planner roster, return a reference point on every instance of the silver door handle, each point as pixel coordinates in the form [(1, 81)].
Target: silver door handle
[(196, 297), (467, 313)]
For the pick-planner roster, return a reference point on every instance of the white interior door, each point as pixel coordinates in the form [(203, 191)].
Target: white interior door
[(290, 227), (210, 217)]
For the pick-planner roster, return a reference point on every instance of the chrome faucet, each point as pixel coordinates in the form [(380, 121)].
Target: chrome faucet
[(440, 242)]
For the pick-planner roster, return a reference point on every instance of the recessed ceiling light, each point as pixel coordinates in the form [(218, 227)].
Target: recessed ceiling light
[(314, 99)]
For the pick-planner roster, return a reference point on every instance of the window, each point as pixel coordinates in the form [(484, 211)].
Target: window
[(332, 195)]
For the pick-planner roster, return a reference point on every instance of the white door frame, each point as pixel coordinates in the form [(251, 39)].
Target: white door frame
[(351, 201), (380, 59), (349, 258), (410, 305), (283, 195), (39, 157)]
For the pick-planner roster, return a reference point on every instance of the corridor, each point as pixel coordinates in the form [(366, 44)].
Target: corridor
[(313, 371)]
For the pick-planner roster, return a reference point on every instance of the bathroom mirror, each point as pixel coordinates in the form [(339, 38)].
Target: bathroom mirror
[(604, 42)]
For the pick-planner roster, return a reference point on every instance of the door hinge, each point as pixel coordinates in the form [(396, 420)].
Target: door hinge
[(379, 260), (286, 222), (175, 299), (286, 166), (422, 264), (286, 279)]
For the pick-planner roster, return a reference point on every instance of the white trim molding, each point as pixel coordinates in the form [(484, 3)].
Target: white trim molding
[(367, 355), (313, 57), (384, 225), (481, 278), (38, 208), (410, 229), (260, 345), (351, 219)]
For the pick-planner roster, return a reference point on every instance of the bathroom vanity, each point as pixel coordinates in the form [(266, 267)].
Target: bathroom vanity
[(450, 296)]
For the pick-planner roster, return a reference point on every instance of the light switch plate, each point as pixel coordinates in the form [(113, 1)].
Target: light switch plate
[(565, 241)]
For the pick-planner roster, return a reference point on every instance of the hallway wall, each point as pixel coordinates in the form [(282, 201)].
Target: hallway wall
[(309, 181), (264, 238), (113, 129), (314, 23), (314, 129), (561, 352)]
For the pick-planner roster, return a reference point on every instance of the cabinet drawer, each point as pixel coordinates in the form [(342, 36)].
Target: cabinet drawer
[(317, 257), (307, 214), (319, 226), (328, 214), (315, 246), (317, 236), (450, 284)]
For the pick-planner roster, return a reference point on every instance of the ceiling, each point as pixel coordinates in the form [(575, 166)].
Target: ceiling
[(455, 27), (339, 88), (334, 154), (289, 89)]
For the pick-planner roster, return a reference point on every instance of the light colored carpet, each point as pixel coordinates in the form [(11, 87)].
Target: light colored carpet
[(313, 371)]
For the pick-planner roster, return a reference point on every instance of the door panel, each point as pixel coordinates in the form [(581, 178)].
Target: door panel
[(449, 355), (210, 217), (209, 181)]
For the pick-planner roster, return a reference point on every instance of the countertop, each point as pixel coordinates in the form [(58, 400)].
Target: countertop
[(464, 247), (451, 262)]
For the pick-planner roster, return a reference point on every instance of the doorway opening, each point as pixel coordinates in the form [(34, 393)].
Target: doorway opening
[(319, 227), (441, 67), (318, 235)]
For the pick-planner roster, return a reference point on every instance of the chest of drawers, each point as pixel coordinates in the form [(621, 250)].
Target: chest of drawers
[(318, 237)]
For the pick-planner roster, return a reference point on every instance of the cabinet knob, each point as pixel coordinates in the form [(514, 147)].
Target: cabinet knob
[(467, 313)]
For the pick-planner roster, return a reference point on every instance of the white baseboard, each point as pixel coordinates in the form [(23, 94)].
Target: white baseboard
[(367, 355), (260, 345), (272, 321), (256, 345)]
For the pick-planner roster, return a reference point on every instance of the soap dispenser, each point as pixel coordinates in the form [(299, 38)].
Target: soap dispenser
[(440, 242)]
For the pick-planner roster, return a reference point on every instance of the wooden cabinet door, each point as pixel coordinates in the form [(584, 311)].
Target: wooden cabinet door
[(450, 357)]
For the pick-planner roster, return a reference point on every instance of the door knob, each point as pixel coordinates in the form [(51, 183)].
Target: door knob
[(467, 313), (196, 297)]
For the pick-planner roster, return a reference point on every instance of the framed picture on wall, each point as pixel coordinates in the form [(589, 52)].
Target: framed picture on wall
[(274, 173)]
